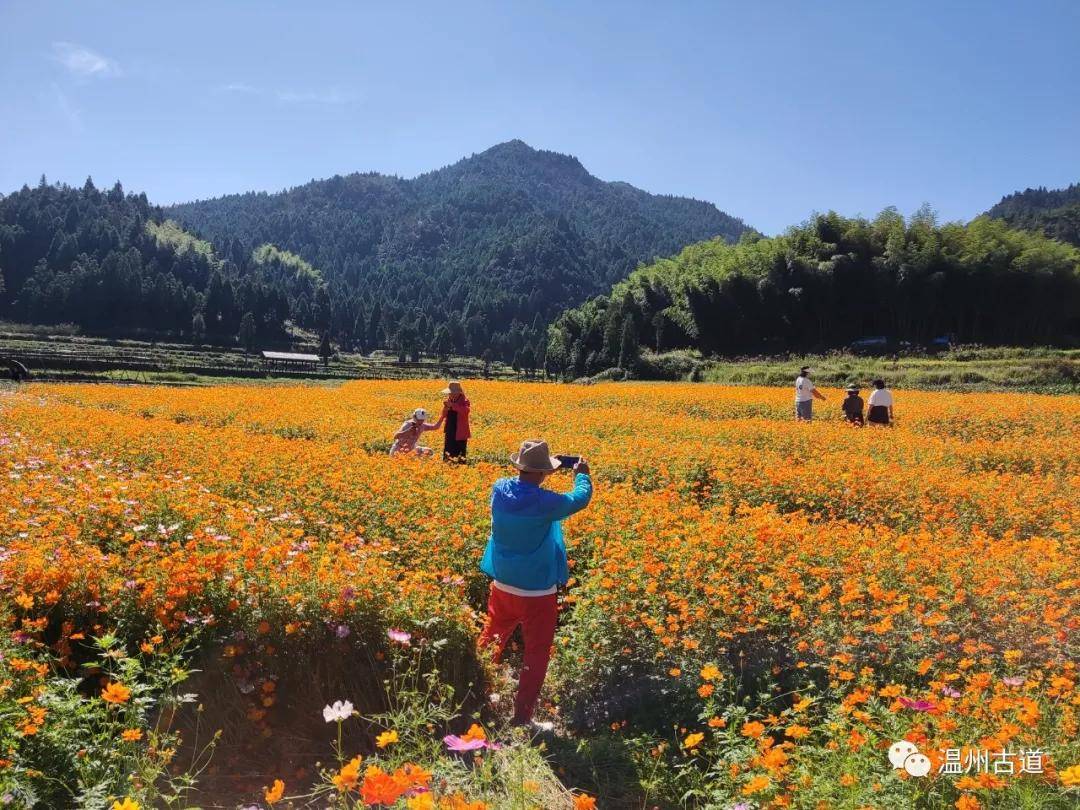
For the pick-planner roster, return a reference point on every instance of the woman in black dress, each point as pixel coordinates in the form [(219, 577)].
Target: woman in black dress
[(455, 417)]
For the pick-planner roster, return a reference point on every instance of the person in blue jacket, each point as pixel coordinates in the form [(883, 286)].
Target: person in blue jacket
[(526, 560)]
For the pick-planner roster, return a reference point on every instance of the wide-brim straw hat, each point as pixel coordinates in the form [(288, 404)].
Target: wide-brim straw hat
[(453, 387), (534, 456), (853, 388)]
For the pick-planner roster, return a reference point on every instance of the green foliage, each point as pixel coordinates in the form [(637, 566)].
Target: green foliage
[(110, 263), (66, 743), (421, 708), (326, 349), (492, 247), (168, 234), (247, 332), (269, 254), (1056, 213), (831, 281), (442, 344), (198, 327)]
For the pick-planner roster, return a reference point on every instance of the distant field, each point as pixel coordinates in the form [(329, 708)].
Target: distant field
[(66, 357), (79, 358)]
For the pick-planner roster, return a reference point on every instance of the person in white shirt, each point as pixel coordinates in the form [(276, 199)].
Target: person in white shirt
[(805, 393), (881, 405)]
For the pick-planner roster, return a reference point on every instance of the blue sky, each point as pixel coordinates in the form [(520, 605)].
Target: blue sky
[(771, 110)]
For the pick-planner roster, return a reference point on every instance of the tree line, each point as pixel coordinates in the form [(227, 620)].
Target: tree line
[(109, 263), (103, 260), (828, 282), (1054, 212)]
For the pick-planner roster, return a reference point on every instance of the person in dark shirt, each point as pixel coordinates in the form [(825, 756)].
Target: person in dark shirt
[(852, 406), (456, 425)]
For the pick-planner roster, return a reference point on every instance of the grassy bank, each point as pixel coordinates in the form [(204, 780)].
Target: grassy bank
[(962, 369)]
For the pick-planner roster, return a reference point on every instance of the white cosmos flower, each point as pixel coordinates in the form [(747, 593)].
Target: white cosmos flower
[(341, 710)]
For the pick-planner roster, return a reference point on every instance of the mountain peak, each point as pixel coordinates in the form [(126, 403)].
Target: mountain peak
[(508, 234), (517, 151), (513, 146)]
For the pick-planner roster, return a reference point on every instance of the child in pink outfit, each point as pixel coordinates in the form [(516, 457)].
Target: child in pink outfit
[(407, 439)]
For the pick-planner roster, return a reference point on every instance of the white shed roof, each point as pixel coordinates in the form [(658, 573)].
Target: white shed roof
[(299, 358)]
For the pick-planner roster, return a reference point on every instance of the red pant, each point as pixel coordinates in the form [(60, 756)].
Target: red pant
[(537, 616)]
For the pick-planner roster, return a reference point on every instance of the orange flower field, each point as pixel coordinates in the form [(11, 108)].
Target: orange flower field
[(758, 609)]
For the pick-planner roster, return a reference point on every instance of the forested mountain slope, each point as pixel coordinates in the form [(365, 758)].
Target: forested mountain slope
[(110, 263), (491, 247), (1055, 212), (827, 282)]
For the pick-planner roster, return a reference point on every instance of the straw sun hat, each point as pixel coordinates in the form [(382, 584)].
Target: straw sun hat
[(534, 456), (453, 387)]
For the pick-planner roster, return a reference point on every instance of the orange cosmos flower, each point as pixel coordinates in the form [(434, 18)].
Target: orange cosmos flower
[(709, 672), (386, 738), (380, 787), (753, 729), (692, 741), (756, 785), (115, 693), (348, 776), (274, 793), (475, 732)]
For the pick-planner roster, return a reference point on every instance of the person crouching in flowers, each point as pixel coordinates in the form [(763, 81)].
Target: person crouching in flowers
[(407, 439), (526, 559), (852, 406)]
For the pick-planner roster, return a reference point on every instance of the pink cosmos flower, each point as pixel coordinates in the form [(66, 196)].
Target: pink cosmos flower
[(948, 691), (455, 743), (917, 705), (1013, 680), (400, 636)]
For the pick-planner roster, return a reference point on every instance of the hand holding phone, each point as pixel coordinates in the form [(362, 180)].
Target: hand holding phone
[(567, 462)]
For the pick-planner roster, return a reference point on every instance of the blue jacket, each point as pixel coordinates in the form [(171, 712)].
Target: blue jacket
[(526, 548)]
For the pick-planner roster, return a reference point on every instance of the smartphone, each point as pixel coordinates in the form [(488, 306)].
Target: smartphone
[(567, 462)]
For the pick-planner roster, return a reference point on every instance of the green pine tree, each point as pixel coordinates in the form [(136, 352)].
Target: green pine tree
[(248, 332)]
